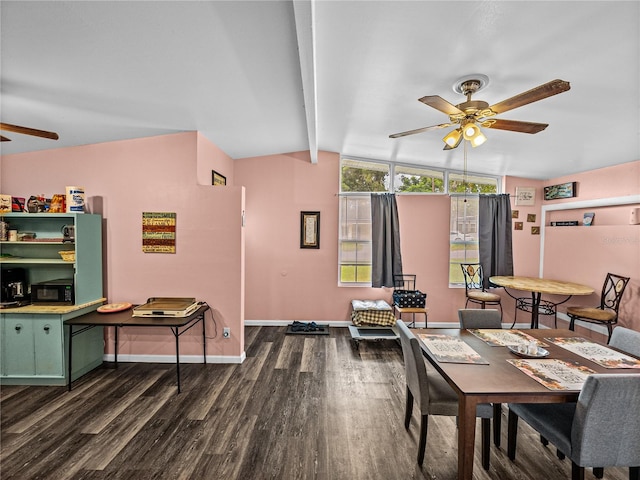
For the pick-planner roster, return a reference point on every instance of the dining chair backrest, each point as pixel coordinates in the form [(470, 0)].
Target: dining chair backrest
[(415, 369), (627, 340), (473, 276), (606, 424), (479, 318), (612, 291)]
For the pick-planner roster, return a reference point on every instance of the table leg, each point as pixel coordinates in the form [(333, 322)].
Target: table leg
[(204, 339), (70, 350), (466, 436), (175, 333), (115, 345), (535, 304)]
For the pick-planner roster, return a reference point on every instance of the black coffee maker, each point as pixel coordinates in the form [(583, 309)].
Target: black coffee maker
[(14, 287)]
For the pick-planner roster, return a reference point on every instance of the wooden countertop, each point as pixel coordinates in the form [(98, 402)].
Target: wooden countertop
[(55, 309)]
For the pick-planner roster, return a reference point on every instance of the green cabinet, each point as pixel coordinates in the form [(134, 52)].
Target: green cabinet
[(33, 339)]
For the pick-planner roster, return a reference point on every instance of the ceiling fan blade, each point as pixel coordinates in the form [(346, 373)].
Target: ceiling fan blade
[(441, 104), (538, 93), (420, 130), (4, 139), (515, 125), (28, 131)]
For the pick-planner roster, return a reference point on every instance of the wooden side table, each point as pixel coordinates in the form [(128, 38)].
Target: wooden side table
[(412, 310)]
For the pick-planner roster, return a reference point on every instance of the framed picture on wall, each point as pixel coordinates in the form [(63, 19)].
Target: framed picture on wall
[(525, 196), (562, 190), (217, 179), (309, 229)]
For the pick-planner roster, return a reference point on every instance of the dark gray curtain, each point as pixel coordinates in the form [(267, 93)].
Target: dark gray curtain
[(494, 236), (386, 260)]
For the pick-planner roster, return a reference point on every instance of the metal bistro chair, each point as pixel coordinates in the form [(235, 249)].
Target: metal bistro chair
[(433, 394), (607, 312), (408, 282), (601, 430), (474, 287), (477, 318)]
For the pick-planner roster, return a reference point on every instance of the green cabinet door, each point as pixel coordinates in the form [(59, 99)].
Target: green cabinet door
[(47, 337), (17, 349)]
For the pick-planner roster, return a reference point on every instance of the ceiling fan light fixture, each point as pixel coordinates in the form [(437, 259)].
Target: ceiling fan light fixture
[(470, 130), (453, 138), (478, 139)]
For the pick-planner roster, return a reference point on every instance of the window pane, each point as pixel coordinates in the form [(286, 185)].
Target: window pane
[(354, 245), (412, 179), (362, 176), (475, 184), (463, 235)]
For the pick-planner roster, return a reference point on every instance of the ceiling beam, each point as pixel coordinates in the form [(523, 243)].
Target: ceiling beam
[(304, 17)]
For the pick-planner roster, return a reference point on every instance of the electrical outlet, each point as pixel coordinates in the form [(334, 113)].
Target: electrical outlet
[(226, 332)]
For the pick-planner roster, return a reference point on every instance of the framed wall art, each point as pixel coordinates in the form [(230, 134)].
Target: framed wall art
[(309, 229), (525, 196), (562, 190), (518, 226), (158, 232), (218, 179)]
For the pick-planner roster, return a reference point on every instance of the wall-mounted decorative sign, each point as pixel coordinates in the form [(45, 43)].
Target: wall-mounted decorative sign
[(515, 213), (309, 229), (525, 196), (517, 226), (531, 217), (562, 190), (535, 230), (158, 232), (217, 179)]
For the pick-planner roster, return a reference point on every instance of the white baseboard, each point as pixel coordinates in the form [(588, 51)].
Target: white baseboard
[(172, 358)]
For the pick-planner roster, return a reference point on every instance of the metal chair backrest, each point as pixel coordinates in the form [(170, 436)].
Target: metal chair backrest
[(404, 282), (612, 291), (473, 277)]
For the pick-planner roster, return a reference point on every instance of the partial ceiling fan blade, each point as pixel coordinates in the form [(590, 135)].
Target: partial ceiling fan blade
[(28, 131), (441, 104), (515, 125), (543, 91), (420, 130), (4, 139)]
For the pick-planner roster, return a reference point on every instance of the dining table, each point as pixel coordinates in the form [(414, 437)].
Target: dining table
[(498, 379), (538, 286)]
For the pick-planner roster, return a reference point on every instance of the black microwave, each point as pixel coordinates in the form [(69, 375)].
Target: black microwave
[(53, 292)]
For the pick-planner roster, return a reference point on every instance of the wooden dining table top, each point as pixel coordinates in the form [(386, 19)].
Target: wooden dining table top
[(541, 285)]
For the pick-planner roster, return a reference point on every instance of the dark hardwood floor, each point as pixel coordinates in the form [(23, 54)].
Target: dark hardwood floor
[(299, 407)]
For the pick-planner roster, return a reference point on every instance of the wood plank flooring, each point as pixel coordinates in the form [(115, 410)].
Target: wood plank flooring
[(299, 407)]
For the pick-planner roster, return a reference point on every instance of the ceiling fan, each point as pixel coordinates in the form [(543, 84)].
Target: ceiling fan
[(470, 115), (25, 131)]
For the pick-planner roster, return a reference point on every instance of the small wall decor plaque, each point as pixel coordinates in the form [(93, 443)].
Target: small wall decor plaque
[(218, 180), (562, 190), (309, 229), (531, 217), (158, 232), (518, 226), (535, 230), (515, 213), (525, 196)]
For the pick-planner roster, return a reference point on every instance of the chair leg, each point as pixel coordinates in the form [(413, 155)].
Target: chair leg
[(512, 434), (497, 423), (544, 441), (577, 472), (424, 426), (486, 442), (559, 454), (598, 472), (572, 322), (634, 473), (408, 409), (610, 328)]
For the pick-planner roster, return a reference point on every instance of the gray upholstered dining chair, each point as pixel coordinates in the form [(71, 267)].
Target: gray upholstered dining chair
[(626, 340), (478, 318), (601, 430), (433, 394)]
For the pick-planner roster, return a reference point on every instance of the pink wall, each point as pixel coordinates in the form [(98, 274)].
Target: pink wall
[(216, 256), (159, 174)]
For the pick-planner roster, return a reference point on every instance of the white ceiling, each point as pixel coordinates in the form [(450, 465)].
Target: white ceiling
[(265, 77)]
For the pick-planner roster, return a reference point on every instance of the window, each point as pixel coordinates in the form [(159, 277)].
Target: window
[(463, 231), (360, 177)]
